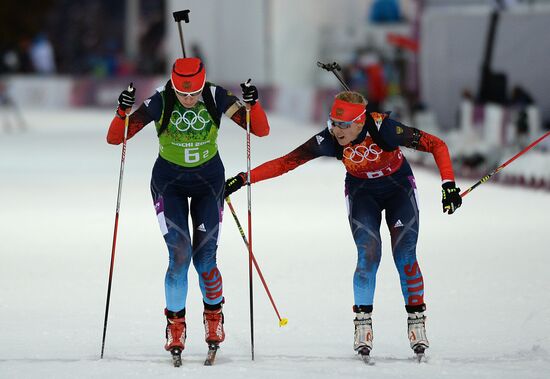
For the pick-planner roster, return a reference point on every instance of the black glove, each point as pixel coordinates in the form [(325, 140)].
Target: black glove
[(451, 198), (250, 92), (127, 98), (234, 184)]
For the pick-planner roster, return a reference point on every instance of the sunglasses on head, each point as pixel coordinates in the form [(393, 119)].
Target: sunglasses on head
[(189, 94), (343, 124)]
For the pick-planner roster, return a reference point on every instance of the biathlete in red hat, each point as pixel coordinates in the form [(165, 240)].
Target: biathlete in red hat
[(378, 178), (187, 112)]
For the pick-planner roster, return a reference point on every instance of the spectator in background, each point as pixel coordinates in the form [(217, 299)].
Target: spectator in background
[(385, 11), (23, 59), (42, 55), (196, 51), (10, 61), (520, 97), (520, 100), (151, 51), (11, 114), (366, 76)]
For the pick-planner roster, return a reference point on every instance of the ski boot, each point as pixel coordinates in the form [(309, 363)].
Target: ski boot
[(213, 330), (416, 323), (213, 324), (176, 332), (363, 331)]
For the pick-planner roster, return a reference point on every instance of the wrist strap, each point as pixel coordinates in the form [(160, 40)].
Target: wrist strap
[(121, 116)]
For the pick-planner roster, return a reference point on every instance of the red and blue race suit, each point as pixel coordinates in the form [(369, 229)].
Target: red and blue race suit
[(188, 178), (376, 180)]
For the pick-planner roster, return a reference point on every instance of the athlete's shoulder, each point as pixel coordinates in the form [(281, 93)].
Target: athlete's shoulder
[(322, 143), (224, 99), (379, 118), (382, 129), (394, 133), (218, 90), (154, 103)]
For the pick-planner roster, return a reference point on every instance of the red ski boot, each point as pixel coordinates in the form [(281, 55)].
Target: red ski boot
[(213, 324), (175, 330)]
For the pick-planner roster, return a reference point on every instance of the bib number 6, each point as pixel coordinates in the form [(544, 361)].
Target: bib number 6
[(192, 155)]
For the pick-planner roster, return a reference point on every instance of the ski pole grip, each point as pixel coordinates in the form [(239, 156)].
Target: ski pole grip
[(329, 66), (181, 16)]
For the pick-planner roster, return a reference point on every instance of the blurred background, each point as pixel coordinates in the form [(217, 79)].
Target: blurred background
[(473, 72)]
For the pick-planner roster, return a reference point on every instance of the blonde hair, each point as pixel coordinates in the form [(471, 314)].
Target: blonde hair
[(352, 97)]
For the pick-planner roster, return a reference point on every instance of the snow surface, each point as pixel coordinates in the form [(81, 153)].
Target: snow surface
[(485, 268)]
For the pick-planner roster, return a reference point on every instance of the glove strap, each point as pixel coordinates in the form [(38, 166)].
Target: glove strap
[(121, 116)]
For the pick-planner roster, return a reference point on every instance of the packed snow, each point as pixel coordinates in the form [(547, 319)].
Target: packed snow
[(485, 268)]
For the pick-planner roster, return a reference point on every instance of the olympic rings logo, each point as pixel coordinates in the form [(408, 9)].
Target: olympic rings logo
[(190, 119), (361, 153)]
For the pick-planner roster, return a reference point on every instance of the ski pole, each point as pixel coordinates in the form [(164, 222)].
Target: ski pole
[(248, 192), (334, 68), (117, 212), (282, 321), (488, 176)]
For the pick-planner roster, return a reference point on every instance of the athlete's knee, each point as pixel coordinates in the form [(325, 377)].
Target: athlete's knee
[(369, 255), (367, 265), (179, 254), (361, 274), (205, 256)]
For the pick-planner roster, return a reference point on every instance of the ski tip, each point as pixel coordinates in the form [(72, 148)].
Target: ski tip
[(364, 354), (421, 358), (176, 357), (211, 355), (283, 322), (420, 355), (368, 360)]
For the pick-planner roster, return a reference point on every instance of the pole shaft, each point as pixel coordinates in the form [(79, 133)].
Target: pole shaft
[(115, 233), (249, 197), (339, 77), (258, 270), (334, 68), (181, 40)]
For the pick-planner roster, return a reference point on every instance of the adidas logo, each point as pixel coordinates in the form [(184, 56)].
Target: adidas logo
[(146, 102), (398, 224), (319, 139), (201, 228)]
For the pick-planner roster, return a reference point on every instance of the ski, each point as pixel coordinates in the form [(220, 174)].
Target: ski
[(176, 356), (364, 354), (419, 354), (211, 355)]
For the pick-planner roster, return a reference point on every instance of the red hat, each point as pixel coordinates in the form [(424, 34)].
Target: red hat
[(188, 75)]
